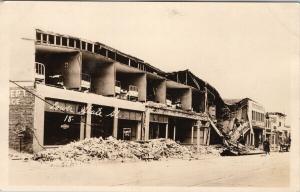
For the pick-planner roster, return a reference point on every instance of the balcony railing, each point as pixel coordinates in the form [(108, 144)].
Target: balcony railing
[(39, 72)]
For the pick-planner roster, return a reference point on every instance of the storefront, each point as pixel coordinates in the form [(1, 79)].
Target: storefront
[(129, 125), (182, 129), (158, 126), (64, 122), (258, 136), (101, 121)]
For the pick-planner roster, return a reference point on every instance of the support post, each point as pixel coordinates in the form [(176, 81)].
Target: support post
[(139, 129), (82, 126), (115, 124), (192, 135), (208, 135), (147, 122), (88, 121), (167, 131), (198, 139), (198, 135), (174, 133), (205, 133)]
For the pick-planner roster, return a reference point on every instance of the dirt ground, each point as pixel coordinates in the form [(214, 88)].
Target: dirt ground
[(241, 171)]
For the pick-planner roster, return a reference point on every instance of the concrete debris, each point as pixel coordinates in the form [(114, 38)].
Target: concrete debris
[(240, 149), (92, 149), (231, 131)]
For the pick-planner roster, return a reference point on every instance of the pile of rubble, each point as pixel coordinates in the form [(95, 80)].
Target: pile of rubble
[(112, 149)]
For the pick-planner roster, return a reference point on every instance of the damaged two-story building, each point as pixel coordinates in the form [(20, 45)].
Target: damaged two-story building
[(245, 121), (64, 88), (276, 129)]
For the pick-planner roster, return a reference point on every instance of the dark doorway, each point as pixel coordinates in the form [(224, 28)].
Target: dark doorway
[(58, 131)]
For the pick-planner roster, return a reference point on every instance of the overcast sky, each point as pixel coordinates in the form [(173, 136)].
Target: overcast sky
[(242, 49)]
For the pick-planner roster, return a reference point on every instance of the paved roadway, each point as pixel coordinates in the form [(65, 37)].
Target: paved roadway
[(254, 170)]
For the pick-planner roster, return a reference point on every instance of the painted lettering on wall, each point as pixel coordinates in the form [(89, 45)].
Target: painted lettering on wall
[(61, 107), (16, 96), (88, 110)]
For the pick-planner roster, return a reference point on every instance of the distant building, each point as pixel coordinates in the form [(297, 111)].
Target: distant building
[(276, 129)]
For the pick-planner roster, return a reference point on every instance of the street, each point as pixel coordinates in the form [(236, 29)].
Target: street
[(241, 171)]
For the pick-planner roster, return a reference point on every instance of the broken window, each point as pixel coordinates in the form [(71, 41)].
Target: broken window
[(90, 47), (51, 39), (83, 45), (58, 40), (77, 42), (133, 63), (96, 48), (38, 36), (44, 38), (64, 41), (71, 42), (103, 51), (111, 55)]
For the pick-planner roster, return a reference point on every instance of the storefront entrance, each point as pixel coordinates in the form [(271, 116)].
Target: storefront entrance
[(102, 121), (129, 125), (63, 122)]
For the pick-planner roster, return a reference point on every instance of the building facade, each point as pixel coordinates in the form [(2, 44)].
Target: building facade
[(276, 129), (65, 89), (246, 121)]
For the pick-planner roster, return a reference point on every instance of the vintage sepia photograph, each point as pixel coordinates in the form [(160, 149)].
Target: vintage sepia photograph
[(147, 96)]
